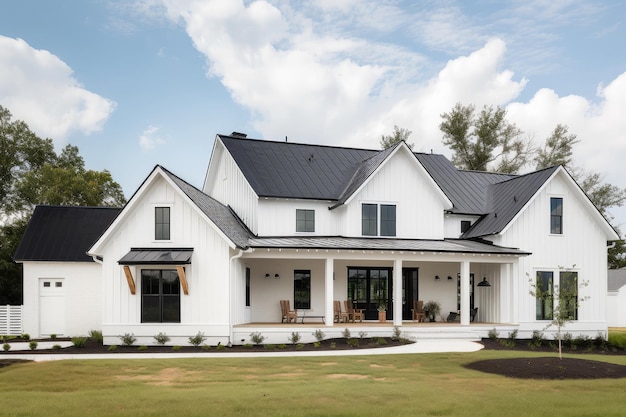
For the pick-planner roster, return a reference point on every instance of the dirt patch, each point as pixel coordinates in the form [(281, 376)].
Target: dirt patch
[(550, 368), (346, 376)]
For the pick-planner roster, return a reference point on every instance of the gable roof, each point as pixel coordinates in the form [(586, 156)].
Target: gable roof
[(63, 233)]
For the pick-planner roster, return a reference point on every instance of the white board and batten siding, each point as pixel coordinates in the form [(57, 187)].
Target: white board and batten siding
[(205, 308), (581, 248), (278, 217), (62, 298)]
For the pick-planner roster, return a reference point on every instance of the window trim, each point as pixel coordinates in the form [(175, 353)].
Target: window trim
[(388, 226), (556, 229), (307, 224), (169, 223), (302, 285), (160, 295), (374, 224)]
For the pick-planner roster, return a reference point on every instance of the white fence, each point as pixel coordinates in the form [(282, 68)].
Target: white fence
[(11, 320)]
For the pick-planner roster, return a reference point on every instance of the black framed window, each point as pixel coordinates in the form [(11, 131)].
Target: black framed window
[(305, 220), (162, 223), (302, 289), (247, 287), (387, 220), (160, 296), (465, 225), (369, 222), (544, 295), (556, 215), (568, 294)]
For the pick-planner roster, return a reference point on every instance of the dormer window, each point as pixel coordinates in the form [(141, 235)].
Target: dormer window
[(305, 220), (162, 223), (465, 225), (370, 216)]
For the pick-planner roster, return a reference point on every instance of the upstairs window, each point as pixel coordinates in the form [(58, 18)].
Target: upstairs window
[(162, 223), (387, 220), (556, 216), (305, 220), (369, 220)]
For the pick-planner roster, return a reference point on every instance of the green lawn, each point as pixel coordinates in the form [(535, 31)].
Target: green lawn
[(394, 385)]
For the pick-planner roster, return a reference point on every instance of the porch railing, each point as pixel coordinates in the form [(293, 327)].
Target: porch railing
[(11, 320)]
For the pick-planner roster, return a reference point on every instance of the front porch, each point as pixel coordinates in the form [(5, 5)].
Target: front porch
[(277, 333)]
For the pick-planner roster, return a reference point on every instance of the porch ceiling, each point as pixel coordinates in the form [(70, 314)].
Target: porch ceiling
[(352, 243)]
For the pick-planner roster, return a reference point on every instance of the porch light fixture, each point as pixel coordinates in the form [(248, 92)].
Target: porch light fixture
[(437, 278), (449, 278), (484, 283), (267, 276), (276, 276)]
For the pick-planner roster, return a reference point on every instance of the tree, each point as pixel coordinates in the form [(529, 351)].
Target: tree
[(399, 134), (557, 150), (32, 173), (484, 141)]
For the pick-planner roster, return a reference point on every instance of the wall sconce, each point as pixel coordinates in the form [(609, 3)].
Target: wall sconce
[(437, 278), (449, 278), (276, 276), (267, 276), (484, 282)]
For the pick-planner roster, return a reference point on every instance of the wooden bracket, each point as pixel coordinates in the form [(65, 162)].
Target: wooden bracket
[(183, 279), (129, 279)]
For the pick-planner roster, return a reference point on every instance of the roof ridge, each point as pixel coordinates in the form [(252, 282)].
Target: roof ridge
[(317, 145)]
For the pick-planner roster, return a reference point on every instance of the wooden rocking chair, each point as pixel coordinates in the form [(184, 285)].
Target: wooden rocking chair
[(353, 313), (287, 313), (340, 316), (418, 311)]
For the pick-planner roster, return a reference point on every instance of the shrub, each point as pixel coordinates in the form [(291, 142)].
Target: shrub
[(601, 342), (567, 339), (56, 347), (294, 338), (617, 339), (346, 333), (248, 345), (175, 348), (269, 346), (537, 339), (493, 334), (333, 345), (362, 334), (161, 338), (6, 347), (396, 333), (583, 342), (220, 347), (128, 339), (299, 346), (32, 345), (26, 337), (79, 341), (317, 344), (282, 346), (53, 336), (257, 338), (319, 335), (206, 348), (353, 342), (197, 339), (96, 336), (380, 341), (112, 348), (142, 348)]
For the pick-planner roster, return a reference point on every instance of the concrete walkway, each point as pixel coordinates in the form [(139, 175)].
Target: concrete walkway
[(421, 346)]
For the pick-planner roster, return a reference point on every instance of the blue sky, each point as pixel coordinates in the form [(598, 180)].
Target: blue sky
[(139, 83)]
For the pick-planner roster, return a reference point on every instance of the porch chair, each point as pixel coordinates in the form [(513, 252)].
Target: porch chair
[(473, 313), (287, 313), (418, 311), (340, 316), (353, 313)]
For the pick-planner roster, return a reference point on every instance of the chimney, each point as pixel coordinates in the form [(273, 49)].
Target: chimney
[(239, 135)]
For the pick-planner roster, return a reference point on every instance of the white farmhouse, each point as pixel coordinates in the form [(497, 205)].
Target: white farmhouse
[(313, 224)]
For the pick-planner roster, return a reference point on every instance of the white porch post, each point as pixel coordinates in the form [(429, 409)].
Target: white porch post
[(465, 293), (329, 292), (397, 292)]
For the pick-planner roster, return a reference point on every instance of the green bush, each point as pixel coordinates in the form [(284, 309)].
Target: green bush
[(128, 339), (269, 347), (33, 345), (257, 338), (96, 336), (282, 346), (333, 345), (56, 347), (353, 342), (53, 336), (79, 341), (493, 334), (346, 333), (206, 348), (537, 339), (197, 339), (294, 338), (161, 338), (112, 348), (26, 337), (316, 344), (319, 335), (175, 348), (6, 347), (396, 333), (142, 348), (617, 339), (220, 347), (299, 346)]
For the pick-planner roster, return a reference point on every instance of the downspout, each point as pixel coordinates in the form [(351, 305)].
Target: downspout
[(230, 307)]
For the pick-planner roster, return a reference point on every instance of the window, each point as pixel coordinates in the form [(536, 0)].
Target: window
[(160, 296), (247, 287), (369, 220), (568, 294), (556, 216), (305, 220), (387, 220), (302, 289), (465, 225), (544, 295), (162, 223)]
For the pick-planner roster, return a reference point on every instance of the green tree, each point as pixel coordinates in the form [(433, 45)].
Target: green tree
[(399, 134), (557, 150), (485, 141), (32, 173)]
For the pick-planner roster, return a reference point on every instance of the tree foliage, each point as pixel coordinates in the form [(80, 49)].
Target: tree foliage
[(32, 173), (558, 149), (399, 134), (484, 141)]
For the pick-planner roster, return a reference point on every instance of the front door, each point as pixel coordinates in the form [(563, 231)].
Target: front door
[(409, 291), (369, 288)]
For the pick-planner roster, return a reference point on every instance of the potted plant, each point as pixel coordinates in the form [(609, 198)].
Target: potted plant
[(382, 312), (432, 309)]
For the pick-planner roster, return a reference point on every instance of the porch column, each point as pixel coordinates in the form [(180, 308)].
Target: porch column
[(397, 292), (329, 287), (465, 293)]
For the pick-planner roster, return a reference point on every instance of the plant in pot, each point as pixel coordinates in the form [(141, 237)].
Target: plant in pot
[(432, 309), (382, 312)]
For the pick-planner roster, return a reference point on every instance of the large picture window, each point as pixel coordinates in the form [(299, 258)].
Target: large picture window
[(305, 220), (544, 295), (302, 289), (162, 223), (556, 216), (160, 296)]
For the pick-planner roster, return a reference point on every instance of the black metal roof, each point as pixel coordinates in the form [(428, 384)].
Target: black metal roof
[(63, 233), (153, 256)]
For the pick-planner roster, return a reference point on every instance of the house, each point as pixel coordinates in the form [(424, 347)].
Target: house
[(616, 300), (312, 224)]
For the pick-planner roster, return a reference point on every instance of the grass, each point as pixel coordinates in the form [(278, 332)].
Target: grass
[(617, 337), (398, 385)]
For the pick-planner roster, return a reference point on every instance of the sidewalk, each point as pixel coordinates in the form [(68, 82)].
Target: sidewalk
[(421, 346)]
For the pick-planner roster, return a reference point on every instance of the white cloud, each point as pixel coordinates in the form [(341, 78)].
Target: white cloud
[(150, 139), (39, 88)]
